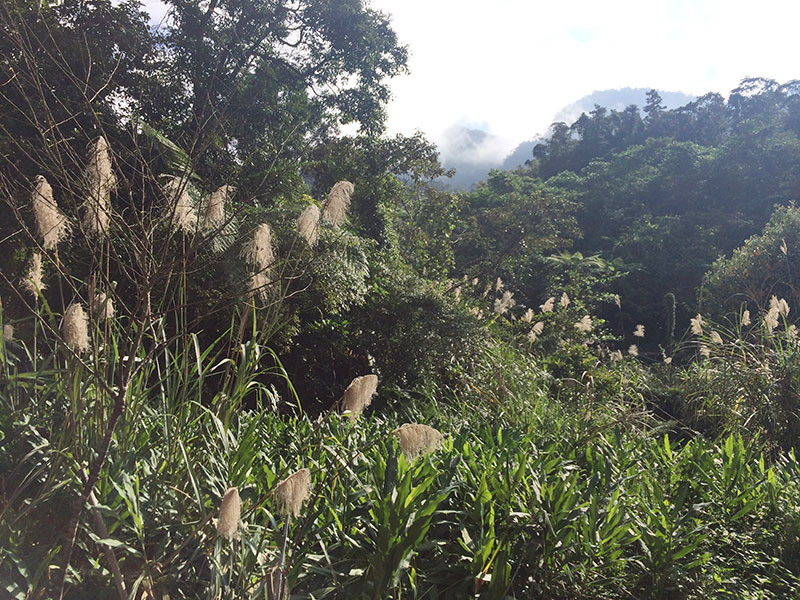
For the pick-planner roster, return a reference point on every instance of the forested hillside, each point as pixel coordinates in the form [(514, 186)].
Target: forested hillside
[(245, 355)]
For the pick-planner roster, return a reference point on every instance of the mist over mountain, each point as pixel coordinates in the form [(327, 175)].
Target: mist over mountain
[(616, 99), (473, 152)]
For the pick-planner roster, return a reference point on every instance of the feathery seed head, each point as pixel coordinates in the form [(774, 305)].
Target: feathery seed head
[(498, 285), (705, 351), (358, 394), (102, 307), (258, 251), (633, 350), (791, 332), (75, 328), (416, 439), (502, 305), (617, 300), (538, 328), (180, 207), (100, 182), (230, 511), (215, 209), (745, 318), (616, 355), (51, 224), (474, 281), (564, 300), (548, 305), (667, 360), (33, 281), (716, 338), (308, 224), (697, 325), (784, 247), (639, 331), (259, 285), (8, 332), (528, 316), (584, 325), (335, 206), (293, 491), (771, 318)]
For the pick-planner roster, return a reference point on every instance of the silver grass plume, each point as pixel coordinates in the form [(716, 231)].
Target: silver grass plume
[(639, 331), (584, 325), (745, 318), (51, 224), (633, 350), (102, 307), (564, 300), (697, 325), (8, 332), (33, 280), (308, 224), (502, 305), (180, 207), (716, 338), (416, 439), (75, 328), (293, 491), (100, 182), (335, 206), (258, 251), (528, 316), (258, 285), (536, 331), (548, 305), (215, 209), (230, 511), (358, 394)]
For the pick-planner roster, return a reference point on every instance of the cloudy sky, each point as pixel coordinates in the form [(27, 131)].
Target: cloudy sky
[(508, 66)]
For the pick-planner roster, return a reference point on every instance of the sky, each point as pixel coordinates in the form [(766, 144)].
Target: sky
[(508, 66)]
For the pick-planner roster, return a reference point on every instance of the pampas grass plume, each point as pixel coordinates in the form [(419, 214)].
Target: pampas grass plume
[(293, 491), (259, 285), (100, 182), (639, 331), (697, 325), (308, 224), (51, 224), (584, 325), (564, 300), (230, 511), (358, 394), (416, 439), (335, 206), (215, 209), (548, 305), (180, 205), (75, 328), (33, 281), (745, 318), (258, 251), (102, 306), (633, 350), (502, 305)]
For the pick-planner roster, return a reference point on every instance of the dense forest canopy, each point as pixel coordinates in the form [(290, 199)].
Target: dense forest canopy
[(244, 354)]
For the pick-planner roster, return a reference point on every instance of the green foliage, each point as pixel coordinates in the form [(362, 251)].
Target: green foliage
[(758, 269)]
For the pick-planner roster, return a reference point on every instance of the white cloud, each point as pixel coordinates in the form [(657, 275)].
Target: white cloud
[(515, 63)]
